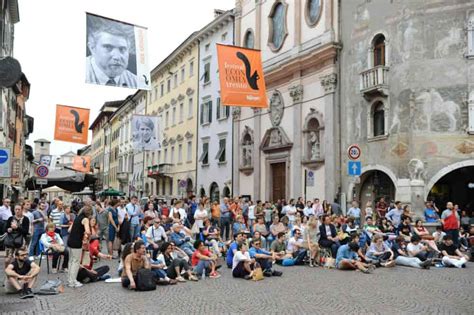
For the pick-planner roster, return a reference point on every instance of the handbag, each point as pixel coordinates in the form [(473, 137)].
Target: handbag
[(145, 280), (330, 263), (13, 240), (257, 273)]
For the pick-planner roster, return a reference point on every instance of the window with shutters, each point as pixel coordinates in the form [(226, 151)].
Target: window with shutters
[(379, 50), (172, 155), (180, 153), (158, 159), (191, 68), (222, 112), (168, 86), (379, 119), (167, 119), (190, 107), (189, 151), (207, 73), (206, 112), (204, 158), (221, 153), (162, 89), (173, 117), (181, 112), (165, 158)]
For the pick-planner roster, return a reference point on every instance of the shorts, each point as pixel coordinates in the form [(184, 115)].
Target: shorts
[(112, 234)]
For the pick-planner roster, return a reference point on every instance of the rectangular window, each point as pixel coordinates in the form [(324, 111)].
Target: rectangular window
[(222, 112), (162, 89), (171, 186), (221, 153), (175, 79), (204, 159), (206, 112), (174, 116), (207, 72), (183, 72), (163, 187), (224, 36), (180, 153), (168, 87), (165, 158), (167, 115), (189, 151), (181, 112), (470, 35), (190, 107), (153, 158), (206, 48), (191, 68), (172, 155), (158, 160)]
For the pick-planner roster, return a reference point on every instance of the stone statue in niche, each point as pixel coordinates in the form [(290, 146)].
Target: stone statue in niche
[(315, 145), (275, 137), (247, 153), (276, 109), (416, 169)]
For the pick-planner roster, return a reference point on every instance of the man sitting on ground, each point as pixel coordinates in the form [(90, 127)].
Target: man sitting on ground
[(295, 247), (239, 239), (347, 258), (133, 262), (179, 238), (21, 275), (264, 258), (452, 256), (419, 250), (278, 248), (403, 259)]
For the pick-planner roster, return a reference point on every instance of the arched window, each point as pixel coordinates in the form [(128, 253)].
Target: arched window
[(277, 21), (313, 11), (379, 50), (249, 39), (214, 192), (202, 192), (226, 192), (379, 119)]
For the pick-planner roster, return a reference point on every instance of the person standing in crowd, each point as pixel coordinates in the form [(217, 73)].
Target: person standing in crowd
[(200, 214), (26, 205), (177, 213), (113, 225), (354, 212), (151, 211), (66, 221), (17, 227), (431, 215), (318, 208), (451, 223), (103, 224), (225, 219), (5, 214), (395, 214), (133, 210), (38, 229), (56, 213), (80, 232), (21, 274)]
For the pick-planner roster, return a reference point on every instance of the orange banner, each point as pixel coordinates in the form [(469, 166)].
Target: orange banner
[(72, 124), (82, 163), (241, 77)]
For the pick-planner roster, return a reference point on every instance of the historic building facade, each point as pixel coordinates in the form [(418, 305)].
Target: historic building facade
[(407, 99), (291, 148), (214, 164), (171, 172)]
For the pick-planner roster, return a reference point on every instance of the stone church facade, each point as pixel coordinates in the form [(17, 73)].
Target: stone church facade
[(407, 99), (289, 150)]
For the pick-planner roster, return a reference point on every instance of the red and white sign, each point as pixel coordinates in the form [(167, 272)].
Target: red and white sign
[(354, 152), (42, 171)]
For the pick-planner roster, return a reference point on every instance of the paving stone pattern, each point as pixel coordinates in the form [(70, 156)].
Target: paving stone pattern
[(301, 290)]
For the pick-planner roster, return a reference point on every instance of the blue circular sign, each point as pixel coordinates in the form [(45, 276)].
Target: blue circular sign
[(42, 171), (3, 156), (310, 174)]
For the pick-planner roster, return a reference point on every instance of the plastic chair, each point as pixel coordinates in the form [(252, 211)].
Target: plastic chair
[(48, 254)]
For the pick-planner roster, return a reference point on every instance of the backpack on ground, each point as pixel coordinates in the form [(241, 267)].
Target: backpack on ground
[(51, 287), (145, 280)]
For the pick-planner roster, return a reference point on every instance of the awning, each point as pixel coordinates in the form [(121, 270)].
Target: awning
[(66, 179)]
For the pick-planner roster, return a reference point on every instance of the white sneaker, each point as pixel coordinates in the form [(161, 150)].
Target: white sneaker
[(77, 284)]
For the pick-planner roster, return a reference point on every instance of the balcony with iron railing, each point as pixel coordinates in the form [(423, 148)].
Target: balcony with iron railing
[(374, 81), (159, 170)]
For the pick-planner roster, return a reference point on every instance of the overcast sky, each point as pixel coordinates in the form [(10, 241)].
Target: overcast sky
[(50, 45)]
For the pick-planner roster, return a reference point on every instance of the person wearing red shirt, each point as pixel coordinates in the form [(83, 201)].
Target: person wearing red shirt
[(203, 260)]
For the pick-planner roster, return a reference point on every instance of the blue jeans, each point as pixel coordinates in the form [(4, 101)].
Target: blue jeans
[(202, 264), (187, 248), (34, 245), (134, 231)]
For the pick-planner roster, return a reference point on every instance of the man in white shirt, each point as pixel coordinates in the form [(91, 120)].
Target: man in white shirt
[(155, 236), (354, 212), (5, 213), (290, 211), (251, 215), (295, 247), (178, 213), (308, 211)]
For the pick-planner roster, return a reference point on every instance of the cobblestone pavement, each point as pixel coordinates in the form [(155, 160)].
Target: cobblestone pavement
[(301, 290)]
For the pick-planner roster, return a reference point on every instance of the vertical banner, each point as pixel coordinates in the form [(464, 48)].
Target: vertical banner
[(72, 124), (116, 53), (146, 133), (82, 163), (241, 77)]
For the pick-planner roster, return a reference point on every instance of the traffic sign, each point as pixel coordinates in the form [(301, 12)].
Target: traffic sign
[(183, 183), (354, 152), (310, 179), (42, 170), (354, 168), (5, 165), (41, 181)]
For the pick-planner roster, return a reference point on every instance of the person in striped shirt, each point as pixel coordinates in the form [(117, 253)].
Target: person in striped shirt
[(55, 215)]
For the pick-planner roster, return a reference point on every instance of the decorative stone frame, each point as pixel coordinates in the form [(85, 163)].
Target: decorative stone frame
[(270, 25), (306, 160), (370, 50), (247, 169), (247, 32), (370, 119), (306, 13)]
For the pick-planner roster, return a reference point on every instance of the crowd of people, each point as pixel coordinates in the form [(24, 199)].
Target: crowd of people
[(189, 240)]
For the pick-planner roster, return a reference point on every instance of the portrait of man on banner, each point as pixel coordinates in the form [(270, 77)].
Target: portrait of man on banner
[(71, 124), (145, 133), (241, 77), (82, 163), (45, 159), (116, 53)]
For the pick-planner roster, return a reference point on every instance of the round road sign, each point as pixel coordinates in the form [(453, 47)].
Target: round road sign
[(42, 171), (3, 156), (353, 152)]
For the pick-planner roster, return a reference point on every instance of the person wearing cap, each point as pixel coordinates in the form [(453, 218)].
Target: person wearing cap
[(180, 239)]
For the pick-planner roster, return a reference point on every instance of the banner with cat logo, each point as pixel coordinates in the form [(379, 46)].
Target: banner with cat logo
[(82, 163), (241, 76), (72, 124)]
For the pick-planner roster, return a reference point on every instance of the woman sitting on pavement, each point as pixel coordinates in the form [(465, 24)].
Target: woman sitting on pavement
[(53, 242), (428, 239), (265, 235), (174, 267), (379, 253), (242, 265), (203, 261)]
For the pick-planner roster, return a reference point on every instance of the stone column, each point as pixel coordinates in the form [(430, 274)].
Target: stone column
[(296, 93), (331, 142), (257, 170), (237, 23), (297, 22), (236, 151), (258, 24)]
